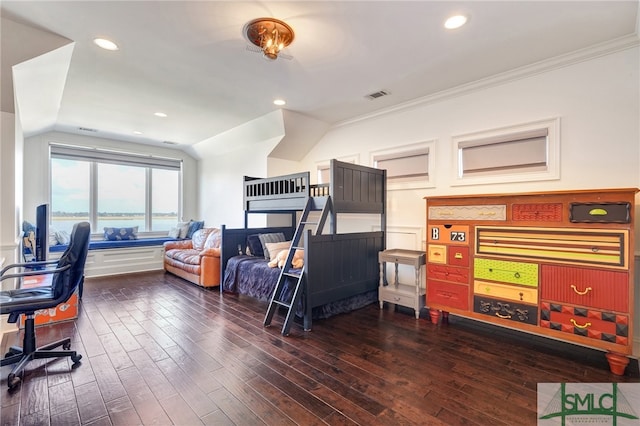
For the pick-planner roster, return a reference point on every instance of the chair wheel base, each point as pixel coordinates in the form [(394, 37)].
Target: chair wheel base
[(66, 346), (76, 358)]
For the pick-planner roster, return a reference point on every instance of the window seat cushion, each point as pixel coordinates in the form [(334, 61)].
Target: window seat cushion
[(103, 244)]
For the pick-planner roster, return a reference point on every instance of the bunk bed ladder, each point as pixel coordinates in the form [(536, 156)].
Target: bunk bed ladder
[(314, 204)]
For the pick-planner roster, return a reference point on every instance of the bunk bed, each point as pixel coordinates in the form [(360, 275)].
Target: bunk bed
[(341, 271)]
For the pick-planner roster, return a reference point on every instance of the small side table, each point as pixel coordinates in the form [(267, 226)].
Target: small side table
[(410, 296)]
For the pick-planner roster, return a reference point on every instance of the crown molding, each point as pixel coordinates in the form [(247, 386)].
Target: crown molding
[(557, 62)]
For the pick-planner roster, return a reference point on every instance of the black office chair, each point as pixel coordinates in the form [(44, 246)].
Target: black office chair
[(68, 274)]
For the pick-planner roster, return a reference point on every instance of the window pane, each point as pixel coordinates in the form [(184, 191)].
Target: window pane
[(323, 174), (506, 157), (404, 164), (121, 196), (70, 193), (164, 199)]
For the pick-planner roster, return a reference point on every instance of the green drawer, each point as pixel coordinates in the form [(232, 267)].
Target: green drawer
[(506, 272)]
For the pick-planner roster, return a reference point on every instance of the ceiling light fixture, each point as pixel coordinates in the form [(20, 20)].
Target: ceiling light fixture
[(279, 102), (269, 34), (455, 22), (160, 114), (105, 44)]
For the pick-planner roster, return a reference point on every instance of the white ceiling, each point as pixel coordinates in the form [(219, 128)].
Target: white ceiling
[(189, 58)]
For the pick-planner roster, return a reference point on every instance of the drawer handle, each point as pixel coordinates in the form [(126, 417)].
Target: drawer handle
[(598, 212), (516, 275), (595, 249), (446, 213), (487, 214), (458, 256), (588, 324), (396, 298), (499, 315), (581, 293)]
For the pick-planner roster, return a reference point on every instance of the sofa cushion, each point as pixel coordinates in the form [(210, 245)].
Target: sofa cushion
[(213, 239), (186, 256), (200, 237)]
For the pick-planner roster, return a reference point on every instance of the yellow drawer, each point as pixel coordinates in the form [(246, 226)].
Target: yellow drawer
[(437, 253), (509, 292), (600, 247), (506, 271)]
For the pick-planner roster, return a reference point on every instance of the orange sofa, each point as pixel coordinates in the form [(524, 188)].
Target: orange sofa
[(196, 260)]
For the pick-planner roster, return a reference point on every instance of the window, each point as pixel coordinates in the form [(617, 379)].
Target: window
[(407, 166), (527, 152), (113, 189)]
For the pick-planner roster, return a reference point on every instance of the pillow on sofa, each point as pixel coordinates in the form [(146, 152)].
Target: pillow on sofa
[(254, 245), (118, 234), (276, 237), (193, 227)]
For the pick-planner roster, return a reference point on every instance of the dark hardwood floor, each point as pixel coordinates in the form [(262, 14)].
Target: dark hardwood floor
[(158, 350)]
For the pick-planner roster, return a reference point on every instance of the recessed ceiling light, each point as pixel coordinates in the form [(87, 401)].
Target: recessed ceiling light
[(160, 114), (279, 102), (455, 22), (105, 44), (137, 132)]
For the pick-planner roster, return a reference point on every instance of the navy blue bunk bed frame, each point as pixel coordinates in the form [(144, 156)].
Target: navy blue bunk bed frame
[(337, 266)]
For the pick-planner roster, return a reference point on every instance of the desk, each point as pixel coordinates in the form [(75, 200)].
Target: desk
[(411, 296)]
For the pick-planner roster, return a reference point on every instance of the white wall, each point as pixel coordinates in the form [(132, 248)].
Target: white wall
[(597, 102), (36, 176), (10, 187), (225, 159)]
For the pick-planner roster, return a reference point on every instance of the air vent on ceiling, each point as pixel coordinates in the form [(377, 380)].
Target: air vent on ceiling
[(87, 129), (376, 95)]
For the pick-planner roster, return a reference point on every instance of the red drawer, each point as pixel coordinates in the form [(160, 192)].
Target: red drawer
[(447, 294), (607, 290), (537, 212), (592, 323), (458, 256), (448, 273)]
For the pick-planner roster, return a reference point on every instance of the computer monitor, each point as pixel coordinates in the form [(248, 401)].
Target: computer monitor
[(42, 232)]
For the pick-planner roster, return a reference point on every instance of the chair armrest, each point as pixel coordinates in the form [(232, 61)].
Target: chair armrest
[(212, 252), (182, 244), (27, 264), (34, 273)]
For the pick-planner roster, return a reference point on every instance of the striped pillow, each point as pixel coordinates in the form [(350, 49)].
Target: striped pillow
[(276, 237)]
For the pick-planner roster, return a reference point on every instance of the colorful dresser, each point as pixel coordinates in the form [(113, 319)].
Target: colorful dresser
[(558, 264)]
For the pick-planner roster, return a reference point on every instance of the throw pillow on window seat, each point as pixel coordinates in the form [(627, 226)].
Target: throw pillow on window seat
[(119, 234)]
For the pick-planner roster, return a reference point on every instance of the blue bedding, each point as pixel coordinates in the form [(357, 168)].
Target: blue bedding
[(252, 276)]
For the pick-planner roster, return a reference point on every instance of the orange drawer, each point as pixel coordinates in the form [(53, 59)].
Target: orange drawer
[(446, 234), (592, 323), (447, 294), (458, 256), (448, 273), (602, 289)]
